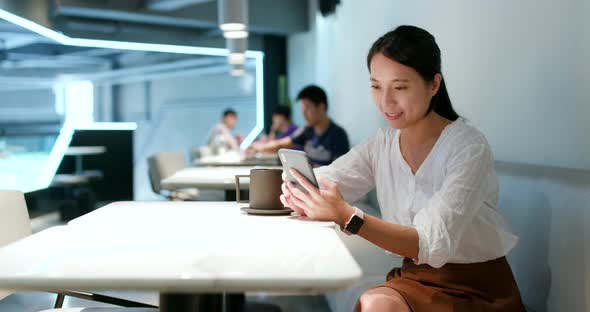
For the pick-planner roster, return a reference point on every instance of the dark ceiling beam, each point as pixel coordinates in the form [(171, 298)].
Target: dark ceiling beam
[(11, 41), (139, 25), (8, 27), (50, 63), (148, 34), (266, 16), (95, 52), (171, 5), (130, 17), (34, 10)]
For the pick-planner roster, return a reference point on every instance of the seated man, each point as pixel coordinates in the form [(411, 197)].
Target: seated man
[(220, 137), (282, 126), (322, 139)]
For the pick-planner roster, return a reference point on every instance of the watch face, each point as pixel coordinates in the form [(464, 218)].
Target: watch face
[(355, 224)]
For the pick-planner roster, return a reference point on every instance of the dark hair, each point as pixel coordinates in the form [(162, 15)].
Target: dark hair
[(283, 110), (416, 48), (315, 94), (229, 111)]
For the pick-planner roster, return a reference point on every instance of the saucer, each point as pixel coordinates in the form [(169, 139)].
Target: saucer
[(254, 211)]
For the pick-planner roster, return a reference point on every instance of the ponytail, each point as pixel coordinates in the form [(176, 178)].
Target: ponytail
[(441, 103)]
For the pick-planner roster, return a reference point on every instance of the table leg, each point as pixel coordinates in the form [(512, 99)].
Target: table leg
[(230, 195), (79, 164), (191, 302), (234, 302)]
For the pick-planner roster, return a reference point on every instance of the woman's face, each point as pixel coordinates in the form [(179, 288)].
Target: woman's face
[(401, 94)]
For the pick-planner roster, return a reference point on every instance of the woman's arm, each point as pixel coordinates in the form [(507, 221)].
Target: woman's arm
[(353, 172), (328, 204), (395, 238)]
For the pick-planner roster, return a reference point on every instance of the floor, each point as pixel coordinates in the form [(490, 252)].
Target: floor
[(38, 301)]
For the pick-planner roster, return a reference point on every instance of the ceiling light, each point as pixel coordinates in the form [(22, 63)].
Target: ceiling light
[(233, 15), (236, 58), (235, 34), (232, 27), (237, 49), (237, 70)]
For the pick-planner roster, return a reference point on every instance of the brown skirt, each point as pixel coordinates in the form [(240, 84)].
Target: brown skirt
[(486, 286)]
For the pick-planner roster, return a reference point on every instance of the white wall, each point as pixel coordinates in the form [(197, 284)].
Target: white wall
[(516, 69)]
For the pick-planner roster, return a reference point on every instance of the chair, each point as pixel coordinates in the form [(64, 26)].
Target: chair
[(14, 221), (103, 310), (15, 225), (163, 165)]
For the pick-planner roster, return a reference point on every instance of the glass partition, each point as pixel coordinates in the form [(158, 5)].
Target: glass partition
[(25, 160)]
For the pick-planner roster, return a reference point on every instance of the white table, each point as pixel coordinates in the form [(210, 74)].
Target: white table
[(79, 151), (238, 159), (85, 150), (190, 252), (219, 178)]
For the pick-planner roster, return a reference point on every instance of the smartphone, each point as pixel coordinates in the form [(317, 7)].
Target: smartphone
[(298, 160)]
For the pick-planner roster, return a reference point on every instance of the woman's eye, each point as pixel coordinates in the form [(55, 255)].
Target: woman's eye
[(375, 87), (401, 88)]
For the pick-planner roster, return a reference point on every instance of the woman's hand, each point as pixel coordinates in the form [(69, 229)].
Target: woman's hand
[(286, 197), (325, 203)]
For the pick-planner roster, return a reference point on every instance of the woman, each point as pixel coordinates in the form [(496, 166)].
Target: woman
[(436, 186)]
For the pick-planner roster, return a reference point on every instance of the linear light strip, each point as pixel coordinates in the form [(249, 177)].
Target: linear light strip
[(32, 26), (259, 103), (55, 156), (153, 47)]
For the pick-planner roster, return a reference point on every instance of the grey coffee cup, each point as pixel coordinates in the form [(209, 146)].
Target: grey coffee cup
[(265, 188)]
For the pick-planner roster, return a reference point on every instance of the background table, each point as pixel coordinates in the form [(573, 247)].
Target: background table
[(79, 151), (237, 159), (213, 178), (184, 250), (217, 178)]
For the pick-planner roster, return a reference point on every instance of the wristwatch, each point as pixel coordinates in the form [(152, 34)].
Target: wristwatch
[(355, 222)]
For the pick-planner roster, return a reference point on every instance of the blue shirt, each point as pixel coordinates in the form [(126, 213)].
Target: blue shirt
[(292, 128), (324, 148)]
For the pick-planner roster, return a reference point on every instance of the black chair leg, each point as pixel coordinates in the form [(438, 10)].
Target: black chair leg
[(234, 302), (59, 301), (99, 298)]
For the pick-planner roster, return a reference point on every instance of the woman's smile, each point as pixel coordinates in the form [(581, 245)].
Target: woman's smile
[(393, 116)]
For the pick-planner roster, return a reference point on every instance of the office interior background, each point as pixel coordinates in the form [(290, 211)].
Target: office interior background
[(517, 70)]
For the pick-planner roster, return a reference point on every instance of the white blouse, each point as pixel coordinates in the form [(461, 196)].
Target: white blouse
[(450, 201)]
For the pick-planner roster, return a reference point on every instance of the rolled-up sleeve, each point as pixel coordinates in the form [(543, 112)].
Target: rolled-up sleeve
[(441, 224), (353, 171)]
